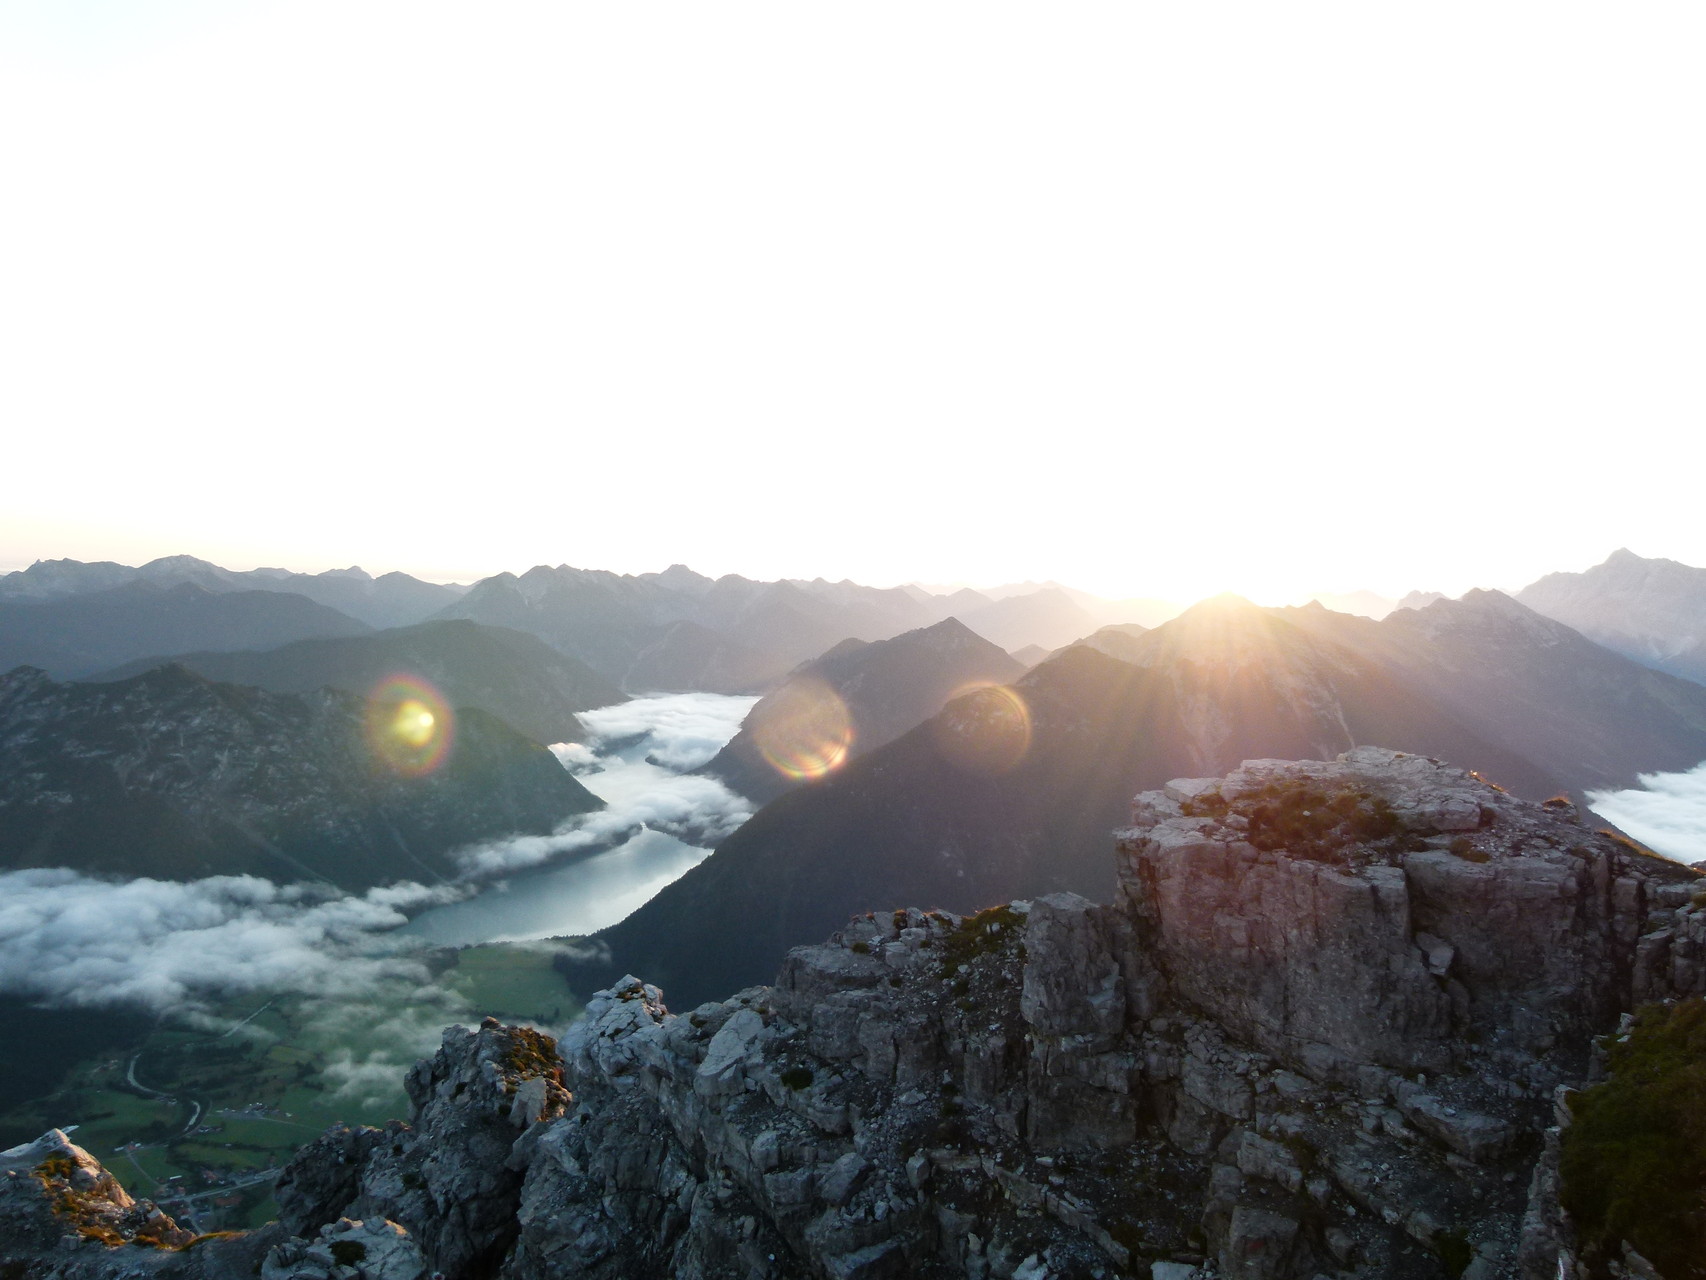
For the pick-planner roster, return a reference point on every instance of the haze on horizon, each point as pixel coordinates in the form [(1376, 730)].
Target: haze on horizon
[(1153, 303)]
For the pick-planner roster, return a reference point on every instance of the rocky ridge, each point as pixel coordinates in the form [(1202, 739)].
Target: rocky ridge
[(1325, 1029)]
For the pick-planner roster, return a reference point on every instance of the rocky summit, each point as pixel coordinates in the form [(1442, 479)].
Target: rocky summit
[(1328, 1027)]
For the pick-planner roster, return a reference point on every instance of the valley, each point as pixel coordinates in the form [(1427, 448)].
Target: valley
[(929, 769), (200, 1119)]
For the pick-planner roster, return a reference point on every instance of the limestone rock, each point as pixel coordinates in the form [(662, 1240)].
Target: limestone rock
[(1319, 1033)]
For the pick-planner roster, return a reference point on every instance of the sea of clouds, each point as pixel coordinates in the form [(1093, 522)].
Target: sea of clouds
[(191, 949), (67, 938), (638, 761), (71, 939), (1667, 813)]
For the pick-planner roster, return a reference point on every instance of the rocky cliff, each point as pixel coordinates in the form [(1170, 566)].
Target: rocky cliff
[(1321, 1031)]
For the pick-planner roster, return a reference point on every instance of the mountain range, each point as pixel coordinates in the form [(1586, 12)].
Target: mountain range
[(170, 775), (514, 676), (1360, 1018), (1482, 681), (1651, 610), (77, 635), (679, 630), (390, 600)]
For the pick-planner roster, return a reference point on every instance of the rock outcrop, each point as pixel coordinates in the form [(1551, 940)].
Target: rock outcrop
[(1321, 1032)]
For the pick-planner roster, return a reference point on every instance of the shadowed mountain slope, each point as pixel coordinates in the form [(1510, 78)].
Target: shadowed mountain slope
[(1582, 713), (887, 687), (517, 677), (927, 820), (81, 634), (170, 775)]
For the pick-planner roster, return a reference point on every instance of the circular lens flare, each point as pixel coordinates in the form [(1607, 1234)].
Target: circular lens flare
[(984, 728), (409, 725), (803, 730)]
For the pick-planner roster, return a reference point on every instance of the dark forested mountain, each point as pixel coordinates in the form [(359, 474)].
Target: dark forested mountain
[(1651, 610), (954, 815), (885, 688), (80, 634), (517, 677), (390, 600), (171, 775)]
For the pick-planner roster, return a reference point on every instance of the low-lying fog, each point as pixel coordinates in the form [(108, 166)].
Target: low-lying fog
[(178, 948), (1667, 812), (636, 763)]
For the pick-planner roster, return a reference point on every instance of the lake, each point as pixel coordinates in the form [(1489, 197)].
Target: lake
[(661, 819)]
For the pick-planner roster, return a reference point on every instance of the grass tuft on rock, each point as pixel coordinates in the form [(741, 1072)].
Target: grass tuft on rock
[(980, 935)]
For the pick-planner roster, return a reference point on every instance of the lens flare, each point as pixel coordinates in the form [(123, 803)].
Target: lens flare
[(984, 728), (409, 725), (803, 730)]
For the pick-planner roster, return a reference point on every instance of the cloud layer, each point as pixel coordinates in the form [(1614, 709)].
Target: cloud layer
[(635, 763), (66, 938), (682, 730), (1668, 812), (183, 948)]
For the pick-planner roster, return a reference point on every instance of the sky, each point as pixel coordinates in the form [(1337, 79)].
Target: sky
[(1156, 300)]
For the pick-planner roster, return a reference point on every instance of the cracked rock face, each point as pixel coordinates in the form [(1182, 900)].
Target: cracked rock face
[(1320, 1032)]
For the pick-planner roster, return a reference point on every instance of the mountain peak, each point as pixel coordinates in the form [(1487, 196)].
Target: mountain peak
[(949, 628), (1225, 605), (179, 564)]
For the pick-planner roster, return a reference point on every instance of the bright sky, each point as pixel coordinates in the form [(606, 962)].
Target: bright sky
[(1152, 299)]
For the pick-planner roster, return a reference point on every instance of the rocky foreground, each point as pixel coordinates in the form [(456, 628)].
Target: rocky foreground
[(1328, 1028)]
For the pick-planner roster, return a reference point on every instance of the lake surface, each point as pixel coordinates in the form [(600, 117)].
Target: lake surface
[(662, 819)]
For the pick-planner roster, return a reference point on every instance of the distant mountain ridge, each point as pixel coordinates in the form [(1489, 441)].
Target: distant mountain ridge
[(1651, 610), (177, 777), (1482, 682), (390, 600), (679, 630), (76, 635), (517, 677)]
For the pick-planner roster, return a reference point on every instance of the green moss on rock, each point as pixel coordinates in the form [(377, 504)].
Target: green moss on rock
[(1634, 1157)]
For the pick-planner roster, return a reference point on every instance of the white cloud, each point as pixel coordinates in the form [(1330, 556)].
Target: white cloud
[(651, 740), (1667, 813), (577, 757), (698, 810), (66, 938), (183, 947), (682, 730)]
